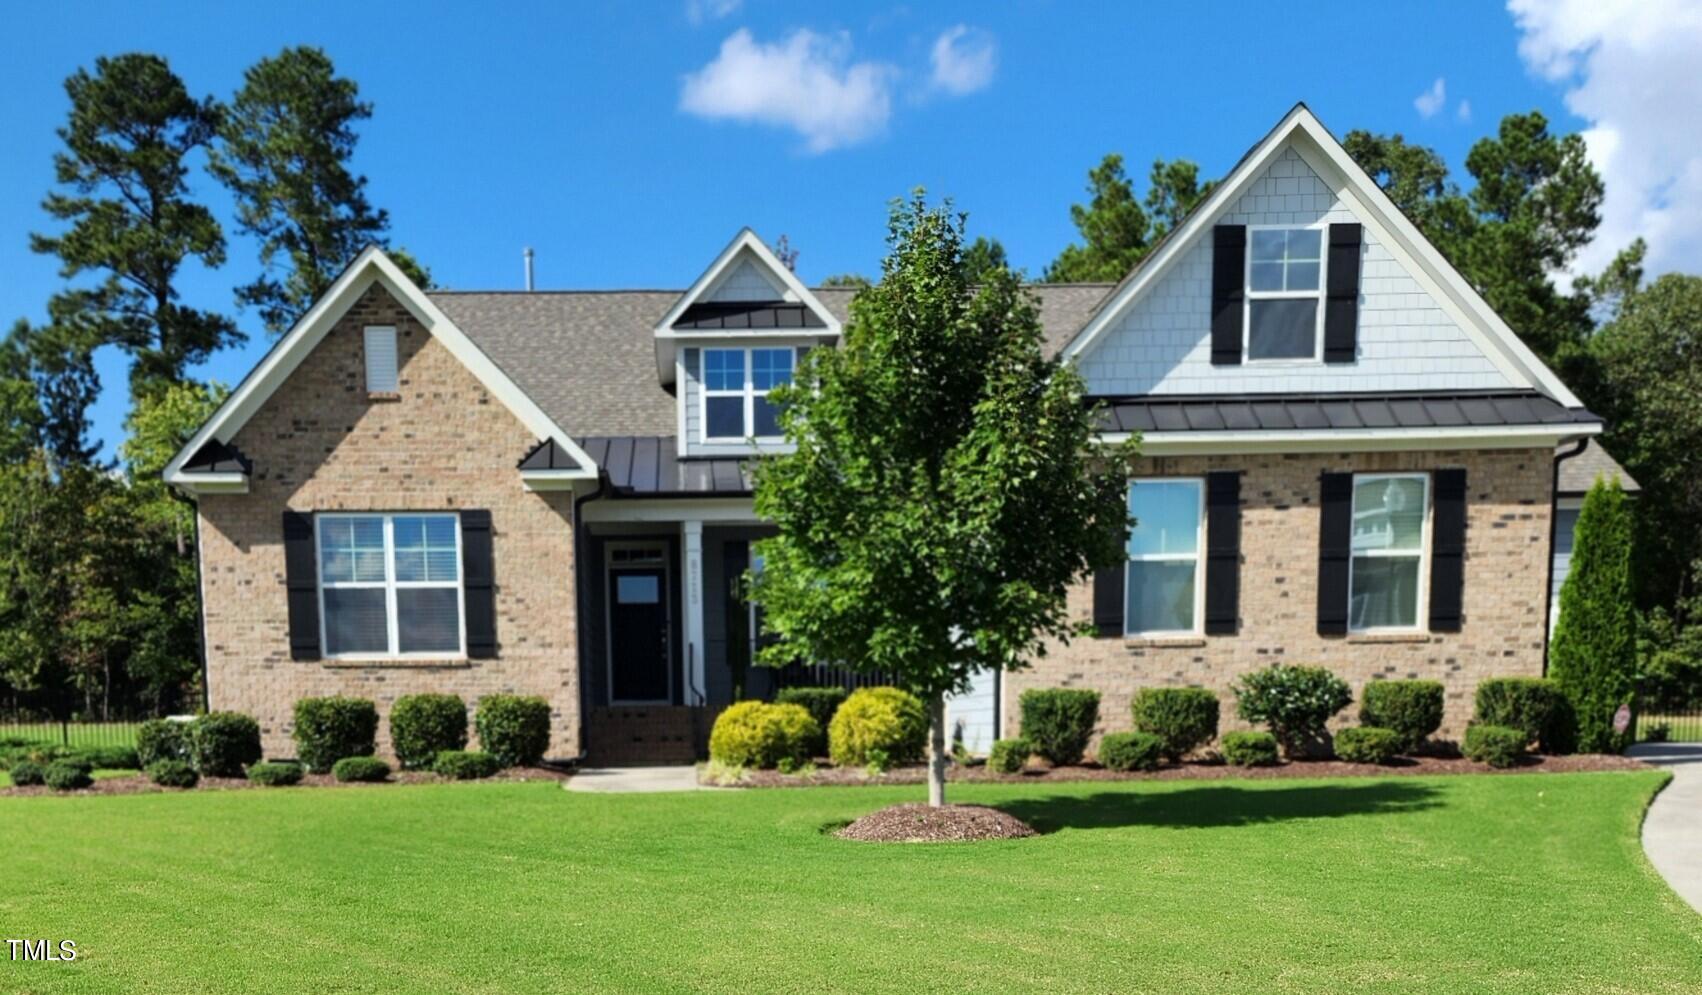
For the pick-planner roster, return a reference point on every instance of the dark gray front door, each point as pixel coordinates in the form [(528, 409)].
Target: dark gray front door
[(638, 635)]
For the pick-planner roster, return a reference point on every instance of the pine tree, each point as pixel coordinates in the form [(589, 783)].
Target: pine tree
[(1593, 656)]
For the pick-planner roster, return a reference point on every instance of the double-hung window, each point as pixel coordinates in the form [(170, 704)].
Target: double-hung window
[(1285, 277), (736, 383), (1162, 587), (390, 585), (1391, 522)]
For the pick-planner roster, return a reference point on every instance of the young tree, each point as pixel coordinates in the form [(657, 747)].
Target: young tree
[(942, 495), (1593, 656)]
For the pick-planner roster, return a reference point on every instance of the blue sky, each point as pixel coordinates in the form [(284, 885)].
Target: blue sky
[(627, 142)]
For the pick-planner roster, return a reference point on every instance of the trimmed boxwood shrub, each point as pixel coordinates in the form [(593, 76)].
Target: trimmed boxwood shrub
[(1295, 702), (1130, 750), (173, 774), (821, 703), (514, 728), (1010, 756), (465, 765), (1249, 749), (1184, 719), (1413, 709), (26, 772), (1368, 745), (66, 775), (329, 729), (1497, 746), (1533, 705), (221, 744), (882, 719), (360, 769), (275, 774), (1059, 722), (162, 739), (112, 757), (757, 734), (424, 725)]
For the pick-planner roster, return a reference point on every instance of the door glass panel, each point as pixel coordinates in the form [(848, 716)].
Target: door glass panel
[(638, 589)]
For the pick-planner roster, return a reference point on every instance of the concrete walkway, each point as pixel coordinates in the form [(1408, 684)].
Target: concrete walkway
[(624, 780), (1672, 833)]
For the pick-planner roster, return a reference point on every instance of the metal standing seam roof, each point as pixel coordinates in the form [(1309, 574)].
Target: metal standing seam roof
[(1300, 412), (650, 466)]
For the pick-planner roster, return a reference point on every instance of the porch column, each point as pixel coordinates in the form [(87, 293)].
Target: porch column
[(696, 689)]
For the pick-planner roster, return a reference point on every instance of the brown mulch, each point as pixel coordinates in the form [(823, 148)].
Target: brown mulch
[(1203, 770), (917, 823), (138, 784)]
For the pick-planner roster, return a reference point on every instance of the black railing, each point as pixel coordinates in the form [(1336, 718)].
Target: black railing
[(828, 675), (28, 730), (1676, 724)]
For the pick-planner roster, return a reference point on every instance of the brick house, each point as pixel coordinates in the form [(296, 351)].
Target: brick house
[(1348, 460)]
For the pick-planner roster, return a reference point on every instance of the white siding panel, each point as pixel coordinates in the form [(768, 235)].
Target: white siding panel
[(747, 282)]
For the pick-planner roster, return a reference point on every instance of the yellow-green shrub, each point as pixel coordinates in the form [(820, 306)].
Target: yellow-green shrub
[(884, 721), (758, 734)]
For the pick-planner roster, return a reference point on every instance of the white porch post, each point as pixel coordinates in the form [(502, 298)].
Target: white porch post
[(696, 689)]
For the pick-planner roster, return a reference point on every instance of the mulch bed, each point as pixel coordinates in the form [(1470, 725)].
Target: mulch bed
[(946, 824), (138, 784), (1203, 770)]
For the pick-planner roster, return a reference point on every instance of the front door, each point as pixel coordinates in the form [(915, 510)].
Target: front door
[(638, 636)]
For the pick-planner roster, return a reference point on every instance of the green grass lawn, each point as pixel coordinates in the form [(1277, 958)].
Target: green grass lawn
[(1525, 883)]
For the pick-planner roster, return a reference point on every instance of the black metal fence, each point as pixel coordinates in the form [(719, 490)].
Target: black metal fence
[(1659, 724), (20, 730)]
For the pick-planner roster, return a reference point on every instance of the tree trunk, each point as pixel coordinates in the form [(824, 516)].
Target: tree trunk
[(937, 756)]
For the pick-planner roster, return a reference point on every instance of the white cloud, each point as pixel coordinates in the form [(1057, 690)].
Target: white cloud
[(963, 60), (806, 83), (1464, 111), (1630, 70), (700, 11), (1433, 99)]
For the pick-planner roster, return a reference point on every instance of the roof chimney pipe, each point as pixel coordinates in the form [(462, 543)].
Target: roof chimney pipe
[(528, 269)]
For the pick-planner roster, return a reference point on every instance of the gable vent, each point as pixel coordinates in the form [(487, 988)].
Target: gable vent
[(381, 359)]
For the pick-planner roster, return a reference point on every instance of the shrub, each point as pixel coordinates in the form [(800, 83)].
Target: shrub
[(161, 739), (884, 719), (66, 775), (112, 757), (173, 774), (1184, 719), (1059, 722), (1497, 746), (465, 765), (1593, 656), (424, 725), (513, 728), (1130, 750), (1295, 702), (1532, 705), (275, 774), (26, 772), (1413, 709), (757, 734), (329, 729), (821, 703), (222, 743), (1368, 745), (1249, 749), (1010, 756), (360, 769)]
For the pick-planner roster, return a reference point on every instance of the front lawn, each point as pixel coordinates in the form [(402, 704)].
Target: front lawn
[(1519, 883)]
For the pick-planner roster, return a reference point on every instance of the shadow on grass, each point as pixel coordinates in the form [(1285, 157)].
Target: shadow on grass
[(1219, 805)]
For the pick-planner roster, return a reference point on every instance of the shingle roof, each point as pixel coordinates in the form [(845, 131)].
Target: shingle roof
[(1578, 473), (1289, 412)]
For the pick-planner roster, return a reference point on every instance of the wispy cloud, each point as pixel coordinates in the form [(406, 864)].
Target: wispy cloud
[(963, 59), (1464, 111), (701, 11), (1433, 99)]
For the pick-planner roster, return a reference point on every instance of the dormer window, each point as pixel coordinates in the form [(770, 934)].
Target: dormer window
[(736, 383), (1285, 277)]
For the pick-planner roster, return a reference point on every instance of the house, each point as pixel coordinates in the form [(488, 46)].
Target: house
[(1348, 459), (1577, 468)]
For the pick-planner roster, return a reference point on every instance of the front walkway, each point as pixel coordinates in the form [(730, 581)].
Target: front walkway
[(1672, 833), (622, 780)]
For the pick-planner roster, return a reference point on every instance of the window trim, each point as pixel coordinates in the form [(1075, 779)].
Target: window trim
[(1250, 295), (1198, 557), (390, 585), (748, 391), (1421, 611)]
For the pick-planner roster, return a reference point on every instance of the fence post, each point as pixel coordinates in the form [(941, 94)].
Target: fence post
[(65, 732)]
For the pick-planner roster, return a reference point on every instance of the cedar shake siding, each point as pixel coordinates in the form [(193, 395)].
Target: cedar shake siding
[(440, 443)]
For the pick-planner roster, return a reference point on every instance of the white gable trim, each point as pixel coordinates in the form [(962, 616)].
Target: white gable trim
[(370, 267), (1314, 143)]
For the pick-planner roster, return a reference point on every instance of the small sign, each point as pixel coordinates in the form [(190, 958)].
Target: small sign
[(1622, 719)]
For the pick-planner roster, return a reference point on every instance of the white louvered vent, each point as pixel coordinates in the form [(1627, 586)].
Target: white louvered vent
[(381, 359)]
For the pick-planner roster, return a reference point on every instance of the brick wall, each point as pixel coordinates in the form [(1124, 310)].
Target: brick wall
[(1506, 572), (321, 444)]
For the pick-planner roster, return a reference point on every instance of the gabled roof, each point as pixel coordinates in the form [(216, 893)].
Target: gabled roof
[(1301, 130), (1578, 473), (372, 266)]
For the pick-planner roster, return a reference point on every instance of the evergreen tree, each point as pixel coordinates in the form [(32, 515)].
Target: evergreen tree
[(981, 258), (1117, 233), (1593, 656)]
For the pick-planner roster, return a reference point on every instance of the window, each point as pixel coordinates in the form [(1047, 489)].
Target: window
[(380, 359), (390, 585), (1284, 279), (1391, 519), (1162, 588), (736, 383)]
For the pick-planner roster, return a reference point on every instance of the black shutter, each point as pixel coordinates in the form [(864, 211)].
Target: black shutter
[(1228, 287), (478, 584), (1108, 600), (1223, 552), (301, 580), (1341, 305), (1447, 550), (1335, 547)]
